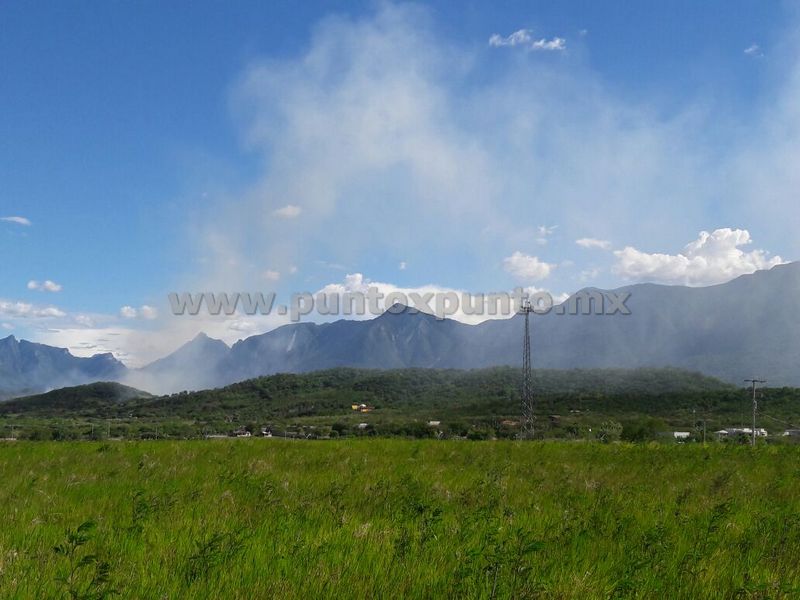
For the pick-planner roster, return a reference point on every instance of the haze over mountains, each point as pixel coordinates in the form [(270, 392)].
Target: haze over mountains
[(735, 330), (28, 367)]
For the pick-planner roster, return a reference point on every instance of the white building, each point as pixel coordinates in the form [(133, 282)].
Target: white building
[(746, 431)]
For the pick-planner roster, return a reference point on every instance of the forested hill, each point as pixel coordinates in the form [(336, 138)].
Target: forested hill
[(99, 396), (639, 403), (330, 391)]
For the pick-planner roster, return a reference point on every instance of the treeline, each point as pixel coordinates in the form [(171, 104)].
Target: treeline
[(636, 405)]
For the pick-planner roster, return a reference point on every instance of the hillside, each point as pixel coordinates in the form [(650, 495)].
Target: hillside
[(411, 391), (569, 404), (94, 398)]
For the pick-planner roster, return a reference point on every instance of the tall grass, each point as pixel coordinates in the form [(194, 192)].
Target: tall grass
[(392, 518)]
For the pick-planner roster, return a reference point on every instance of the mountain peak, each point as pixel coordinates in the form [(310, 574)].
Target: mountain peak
[(202, 339), (104, 356), (399, 309)]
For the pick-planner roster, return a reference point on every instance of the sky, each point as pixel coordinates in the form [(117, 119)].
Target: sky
[(150, 147)]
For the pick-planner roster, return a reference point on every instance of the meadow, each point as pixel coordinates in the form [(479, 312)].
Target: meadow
[(380, 518)]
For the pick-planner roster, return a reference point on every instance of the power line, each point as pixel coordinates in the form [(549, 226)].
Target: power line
[(785, 423)]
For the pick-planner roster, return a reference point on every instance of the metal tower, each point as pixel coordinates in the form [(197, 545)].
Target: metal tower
[(526, 427), (754, 383)]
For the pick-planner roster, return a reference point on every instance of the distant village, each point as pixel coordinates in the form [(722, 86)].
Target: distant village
[(729, 434)]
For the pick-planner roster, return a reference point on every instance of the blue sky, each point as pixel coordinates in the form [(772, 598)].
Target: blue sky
[(192, 146)]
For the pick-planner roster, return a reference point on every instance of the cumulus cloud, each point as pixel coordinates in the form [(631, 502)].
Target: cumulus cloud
[(44, 286), (527, 268), (290, 211), (128, 312), (357, 282), (714, 257), (524, 38), (426, 296), (17, 220), (593, 243), (143, 312), (24, 310)]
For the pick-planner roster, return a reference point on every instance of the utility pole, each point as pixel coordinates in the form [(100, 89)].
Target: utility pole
[(527, 428), (754, 383)]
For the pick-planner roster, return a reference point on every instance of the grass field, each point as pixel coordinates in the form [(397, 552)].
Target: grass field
[(392, 518)]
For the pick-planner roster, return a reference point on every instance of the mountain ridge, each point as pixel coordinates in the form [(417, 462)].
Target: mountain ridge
[(733, 330)]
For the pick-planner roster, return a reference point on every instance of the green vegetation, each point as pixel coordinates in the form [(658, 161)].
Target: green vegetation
[(632, 405), (394, 518)]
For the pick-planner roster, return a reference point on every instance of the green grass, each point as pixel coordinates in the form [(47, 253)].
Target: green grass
[(393, 518)]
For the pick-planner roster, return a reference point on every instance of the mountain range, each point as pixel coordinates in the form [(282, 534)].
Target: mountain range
[(26, 367), (733, 331)]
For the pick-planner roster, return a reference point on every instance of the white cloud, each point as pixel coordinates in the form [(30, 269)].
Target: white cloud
[(544, 232), (356, 282), (148, 312), (243, 326), (524, 37), (17, 220), (7, 326), (44, 286), (402, 266), (527, 268), (85, 342), (753, 50), (593, 243), (290, 211), (128, 312), (556, 43), (713, 258), (271, 275), (519, 37), (23, 310), (84, 320), (143, 312)]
